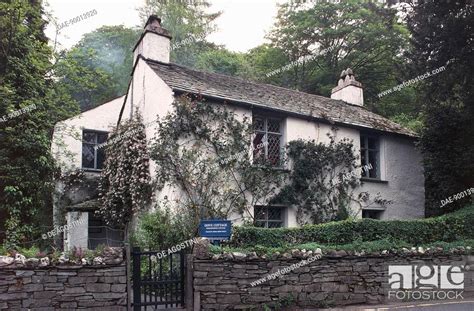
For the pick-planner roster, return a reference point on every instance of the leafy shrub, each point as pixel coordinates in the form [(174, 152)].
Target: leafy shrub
[(161, 229), (448, 228)]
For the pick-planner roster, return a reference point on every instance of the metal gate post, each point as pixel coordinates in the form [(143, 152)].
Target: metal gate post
[(136, 279), (181, 257)]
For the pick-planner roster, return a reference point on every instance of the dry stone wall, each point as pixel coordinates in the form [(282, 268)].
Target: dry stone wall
[(224, 282), (64, 288)]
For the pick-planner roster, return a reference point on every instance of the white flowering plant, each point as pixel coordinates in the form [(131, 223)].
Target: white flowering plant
[(125, 182)]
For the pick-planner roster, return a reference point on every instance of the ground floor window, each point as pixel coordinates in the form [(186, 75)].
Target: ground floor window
[(373, 214), (101, 234), (269, 216)]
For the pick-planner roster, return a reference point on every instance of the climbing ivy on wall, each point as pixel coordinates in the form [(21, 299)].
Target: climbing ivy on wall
[(125, 182), (322, 182), (204, 150)]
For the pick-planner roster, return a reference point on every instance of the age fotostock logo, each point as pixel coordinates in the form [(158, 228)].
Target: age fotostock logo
[(426, 282)]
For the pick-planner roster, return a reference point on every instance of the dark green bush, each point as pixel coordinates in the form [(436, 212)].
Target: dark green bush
[(162, 229), (450, 227)]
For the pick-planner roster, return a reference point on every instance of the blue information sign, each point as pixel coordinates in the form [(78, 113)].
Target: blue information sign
[(215, 229)]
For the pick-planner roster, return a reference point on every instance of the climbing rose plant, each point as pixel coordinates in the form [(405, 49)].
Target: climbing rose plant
[(203, 150), (125, 182)]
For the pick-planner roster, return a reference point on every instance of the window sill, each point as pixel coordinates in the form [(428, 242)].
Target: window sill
[(375, 208), (275, 168), (91, 170), (374, 180)]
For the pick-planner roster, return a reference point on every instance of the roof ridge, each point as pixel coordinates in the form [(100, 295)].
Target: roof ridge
[(252, 82), (275, 97)]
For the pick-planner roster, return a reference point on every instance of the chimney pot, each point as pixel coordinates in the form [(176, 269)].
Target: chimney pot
[(348, 89)]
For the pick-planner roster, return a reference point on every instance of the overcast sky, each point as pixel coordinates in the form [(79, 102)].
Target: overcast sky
[(242, 25)]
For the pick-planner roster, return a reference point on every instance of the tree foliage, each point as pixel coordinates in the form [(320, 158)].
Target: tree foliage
[(317, 40), (98, 67), (188, 22), (225, 62), (442, 34), (26, 165)]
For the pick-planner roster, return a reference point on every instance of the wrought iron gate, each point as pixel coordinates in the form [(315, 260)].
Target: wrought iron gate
[(158, 281)]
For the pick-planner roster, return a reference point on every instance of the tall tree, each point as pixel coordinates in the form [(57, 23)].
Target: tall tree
[(223, 61), (320, 39), (189, 24), (442, 36), (98, 67), (31, 103)]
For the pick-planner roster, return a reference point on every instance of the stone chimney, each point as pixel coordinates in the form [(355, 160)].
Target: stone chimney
[(348, 89), (154, 42)]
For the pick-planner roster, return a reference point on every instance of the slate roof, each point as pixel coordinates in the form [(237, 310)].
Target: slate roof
[(268, 96)]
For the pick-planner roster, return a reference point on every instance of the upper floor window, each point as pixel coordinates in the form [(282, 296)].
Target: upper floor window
[(92, 156), (268, 216), (267, 142), (370, 155)]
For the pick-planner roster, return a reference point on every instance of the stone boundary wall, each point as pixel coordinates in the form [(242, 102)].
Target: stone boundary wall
[(224, 282), (64, 288)]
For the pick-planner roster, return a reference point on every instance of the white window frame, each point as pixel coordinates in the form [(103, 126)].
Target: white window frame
[(265, 133), (283, 221), (94, 146), (378, 150)]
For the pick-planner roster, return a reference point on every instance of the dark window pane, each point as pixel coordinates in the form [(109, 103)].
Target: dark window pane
[(369, 154), (87, 156), (100, 233), (89, 153), (362, 142), (363, 160), (268, 216), (373, 160), (270, 151), (89, 137), (274, 149), (260, 213), (371, 214), (274, 224), (274, 125), (259, 148), (100, 158), (101, 138), (274, 213), (258, 124), (373, 143)]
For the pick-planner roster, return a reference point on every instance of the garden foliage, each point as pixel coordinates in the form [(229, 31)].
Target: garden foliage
[(448, 228)]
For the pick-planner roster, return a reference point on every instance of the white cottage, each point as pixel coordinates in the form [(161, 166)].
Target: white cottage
[(389, 149)]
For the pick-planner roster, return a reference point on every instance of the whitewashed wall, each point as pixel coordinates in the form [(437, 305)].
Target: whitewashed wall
[(69, 132), (401, 164)]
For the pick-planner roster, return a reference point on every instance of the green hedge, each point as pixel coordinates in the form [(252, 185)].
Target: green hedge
[(450, 227)]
